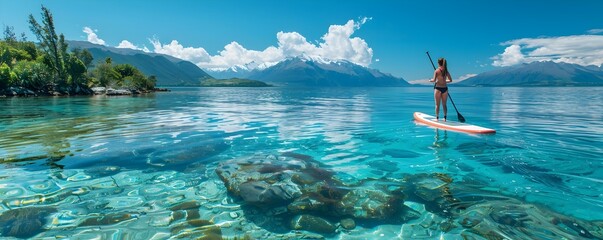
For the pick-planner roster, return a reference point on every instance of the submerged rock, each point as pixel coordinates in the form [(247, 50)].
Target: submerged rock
[(266, 181), (24, 222), (302, 190), (348, 223), (492, 215), (258, 192), (294, 192), (369, 204), (500, 219), (433, 190), (312, 224), (308, 204), (197, 231), (108, 219)]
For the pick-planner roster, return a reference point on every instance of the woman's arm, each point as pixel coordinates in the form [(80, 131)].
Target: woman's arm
[(434, 76)]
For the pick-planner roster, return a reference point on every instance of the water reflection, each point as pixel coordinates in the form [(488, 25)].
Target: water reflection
[(61, 126), (149, 162), (440, 141)]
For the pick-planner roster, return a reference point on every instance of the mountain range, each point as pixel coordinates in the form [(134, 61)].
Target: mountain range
[(170, 71), (544, 73), (300, 71)]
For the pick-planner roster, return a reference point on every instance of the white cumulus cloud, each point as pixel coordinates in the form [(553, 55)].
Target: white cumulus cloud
[(511, 56), (92, 37), (293, 44), (577, 49), (128, 44), (337, 44), (234, 54), (175, 49)]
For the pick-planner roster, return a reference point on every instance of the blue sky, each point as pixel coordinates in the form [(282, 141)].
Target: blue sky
[(392, 36)]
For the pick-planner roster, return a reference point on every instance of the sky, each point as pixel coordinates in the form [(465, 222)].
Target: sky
[(474, 36)]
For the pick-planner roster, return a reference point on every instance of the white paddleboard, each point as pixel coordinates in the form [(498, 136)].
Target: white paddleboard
[(450, 125)]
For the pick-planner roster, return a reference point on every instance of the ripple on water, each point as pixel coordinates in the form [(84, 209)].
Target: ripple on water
[(535, 160), (178, 184), (43, 185), (164, 177), (125, 202), (210, 190), (153, 190), (9, 192), (78, 177), (130, 178), (68, 217), (172, 199)]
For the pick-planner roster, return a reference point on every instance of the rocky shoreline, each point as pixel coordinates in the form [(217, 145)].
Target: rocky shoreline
[(75, 91)]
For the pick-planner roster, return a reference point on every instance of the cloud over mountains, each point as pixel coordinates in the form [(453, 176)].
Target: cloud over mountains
[(576, 49), (92, 37), (337, 44)]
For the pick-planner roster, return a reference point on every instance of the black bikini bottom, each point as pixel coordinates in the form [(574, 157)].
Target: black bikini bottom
[(442, 89)]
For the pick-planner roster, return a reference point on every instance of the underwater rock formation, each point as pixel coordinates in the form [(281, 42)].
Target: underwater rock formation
[(306, 193), (294, 192), (24, 222)]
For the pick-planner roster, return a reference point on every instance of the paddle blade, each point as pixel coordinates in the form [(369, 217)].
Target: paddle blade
[(461, 118)]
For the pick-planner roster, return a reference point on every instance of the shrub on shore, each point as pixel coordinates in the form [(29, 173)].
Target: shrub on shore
[(49, 68)]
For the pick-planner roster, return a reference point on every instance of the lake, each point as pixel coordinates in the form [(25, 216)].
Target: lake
[(161, 165)]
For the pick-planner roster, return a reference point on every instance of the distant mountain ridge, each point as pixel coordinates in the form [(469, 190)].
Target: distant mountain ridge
[(232, 72), (170, 71), (539, 74), (309, 73)]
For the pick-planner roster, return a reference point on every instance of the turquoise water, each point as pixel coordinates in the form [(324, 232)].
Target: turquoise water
[(144, 167)]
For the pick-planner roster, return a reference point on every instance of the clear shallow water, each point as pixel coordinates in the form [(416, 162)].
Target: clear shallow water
[(124, 167)]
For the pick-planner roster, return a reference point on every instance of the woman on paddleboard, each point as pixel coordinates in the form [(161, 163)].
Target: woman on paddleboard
[(441, 76)]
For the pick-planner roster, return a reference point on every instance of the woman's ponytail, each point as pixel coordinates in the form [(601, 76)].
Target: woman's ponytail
[(444, 65)]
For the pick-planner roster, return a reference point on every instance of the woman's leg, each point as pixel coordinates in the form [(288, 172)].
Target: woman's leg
[(437, 96), (444, 98)]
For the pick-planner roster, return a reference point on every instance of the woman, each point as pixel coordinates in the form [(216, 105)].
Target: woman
[(441, 76)]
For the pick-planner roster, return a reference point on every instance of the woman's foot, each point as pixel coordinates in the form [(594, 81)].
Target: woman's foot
[(444, 118)]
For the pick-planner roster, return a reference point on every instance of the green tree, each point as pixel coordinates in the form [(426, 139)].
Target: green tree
[(23, 37), (126, 70), (83, 55), (104, 73), (5, 76), (134, 78), (11, 54), (151, 82), (53, 45), (5, 54), (30, 48), (9, 35), (76, 70), (31, 74)]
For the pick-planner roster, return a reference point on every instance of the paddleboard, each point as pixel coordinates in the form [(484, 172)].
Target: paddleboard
[(450, 125)]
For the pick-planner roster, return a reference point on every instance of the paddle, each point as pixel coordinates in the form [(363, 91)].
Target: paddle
[(460, 117)]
